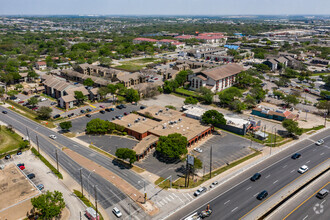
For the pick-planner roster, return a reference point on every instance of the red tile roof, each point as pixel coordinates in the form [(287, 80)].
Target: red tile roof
[(145, 39)]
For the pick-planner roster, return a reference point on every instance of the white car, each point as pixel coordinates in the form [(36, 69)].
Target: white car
[(214, 184), (17, 100), (117, 212), (303, 169), (198, 150), (43, 99), (52, 136), (319, 142)]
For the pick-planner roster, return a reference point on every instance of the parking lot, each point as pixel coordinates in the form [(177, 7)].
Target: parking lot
[(226, 148), (79, 124)]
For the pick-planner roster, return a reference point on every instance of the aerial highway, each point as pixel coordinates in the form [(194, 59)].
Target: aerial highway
[(237, 197), (108, 194)]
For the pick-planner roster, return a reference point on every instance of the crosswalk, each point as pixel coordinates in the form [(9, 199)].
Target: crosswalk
[(172, 198)]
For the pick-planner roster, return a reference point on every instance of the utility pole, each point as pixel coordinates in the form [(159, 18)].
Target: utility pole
[(325, 119), (81, 183), (57, 160), (27, 133), (275, 138), (185, 181), (211, 162), (95, 191), (38, 144)]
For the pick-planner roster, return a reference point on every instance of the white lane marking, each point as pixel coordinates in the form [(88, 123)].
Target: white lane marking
[(177, 197), (190, 196), (323, 201), (308, 161), (255, 195), (322, 154), (275, 182), (234, 209), (248, 188), (226, 202), (164, 200), (292, 171), (285, 166), (170, 196), (160, 202), (267, 176), (168, 199), (305, 217)]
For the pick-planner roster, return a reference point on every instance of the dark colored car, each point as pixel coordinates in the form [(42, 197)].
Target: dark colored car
[(70, 115), (88, 115), (123, 106), (82, 111), (7, 157), (88, 110), (37, 96), (102, 111), (4, 112), (125, 113), (40, 187), (112, 109), (35, 108), (296, 156), (107, 109), (20, 164), (31, 176), (255, 177), (53, 103), (57, 116), (19, 152), (262, 195), (119, 106), (142, 107), (113, 118)]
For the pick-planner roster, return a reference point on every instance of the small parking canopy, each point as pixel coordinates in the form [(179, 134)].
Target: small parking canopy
[(261, 135)]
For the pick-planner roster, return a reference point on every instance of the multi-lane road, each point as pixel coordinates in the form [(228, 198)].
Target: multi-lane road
[(237, 197), (108, 194)]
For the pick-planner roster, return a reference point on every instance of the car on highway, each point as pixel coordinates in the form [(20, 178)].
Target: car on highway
[(303, 169), (262, 195), (88, 115), (52, 136), (255, 177), (319, 142), (116, 212), (4, 112), (40, 186), (214, 184), (200, 191), (31, 176), (296, 156), (197, 149), (322, 193)]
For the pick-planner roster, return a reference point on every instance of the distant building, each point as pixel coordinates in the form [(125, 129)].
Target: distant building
[(276, 114), (141, 40), (41, 65)]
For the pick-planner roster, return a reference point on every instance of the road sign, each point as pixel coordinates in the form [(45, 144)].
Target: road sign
[(190, 159)]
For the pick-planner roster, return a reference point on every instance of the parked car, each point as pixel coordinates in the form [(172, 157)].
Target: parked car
[(20, 164), (107, 109), (200, 191), (8, 156), (57, 116), (125, 113), (214, 184), (123, 106), (116, 212), (255, 177), (52, 136), (262, 195), (102, 111), (82, 111), (102, 106), (198, 150), (142, 107), (88, 110), (53, 103), (119, 107), (40, 186), (296, 156), (19, 152), (319, 142), (31, 176), (70, 115), (21, 167), (303, 169), (43, 99), (88, 115), (112, 109), (20, 102), (35, 108), (4, 112), (322, 193)]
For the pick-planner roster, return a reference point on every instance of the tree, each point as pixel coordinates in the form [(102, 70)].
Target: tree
[(246, 80), (291, 99), (44, 112), (170, 86), (197, 163), (12, 93), (207, 95), (292, 127), (32, 74), (33, 101), (324, 104), (112, 88), (97, 126), (326, 79), (228, 95), (237, 105), (103, 91), (250, 101), (181, 77), (126, 153), (282, 82), (190, 100), (88, 82), (172, 146), (214, 118), (66, 125), (49, 204), (258, 93), (132, 95), (301, 78), (79, 96)]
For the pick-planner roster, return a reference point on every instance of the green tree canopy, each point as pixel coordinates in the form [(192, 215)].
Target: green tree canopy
[(237, 105), (170, 86), (97, 126), (12, 93), (190, 100), (324, 104), (88, 82), (66, 125), (172, 146), (228, 95), (181, 77), (246, 80), (103, 91), (213, 117), (112, 88), (44, 112), (126, 153), (291, 99), (33, 101), (292, 127), (79, 96), (132, 95), (206, 95), (49, 204)]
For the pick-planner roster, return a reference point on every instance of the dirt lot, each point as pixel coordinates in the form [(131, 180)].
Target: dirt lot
[(163, 100), (14, 187)]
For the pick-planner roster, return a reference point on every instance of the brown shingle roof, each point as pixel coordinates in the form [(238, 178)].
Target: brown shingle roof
[(68, 98), (223, 71)]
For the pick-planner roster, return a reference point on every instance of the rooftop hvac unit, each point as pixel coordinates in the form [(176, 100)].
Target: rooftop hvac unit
[(180, 119), (178, 128), (156, 113), (183, 130), (143, 119), (160, 110), (138, 119), (187, 128), (167, 109), (129, 125)]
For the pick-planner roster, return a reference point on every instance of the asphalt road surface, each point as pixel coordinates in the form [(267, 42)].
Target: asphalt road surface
[(237, 197), (108, 194)]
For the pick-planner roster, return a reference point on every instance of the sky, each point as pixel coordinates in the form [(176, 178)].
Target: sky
[(164, 7)]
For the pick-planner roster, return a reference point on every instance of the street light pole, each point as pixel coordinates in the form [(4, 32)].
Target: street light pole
[(95, 191), (38, 144), (89, 187), (57, 161), (211, 162), (81, 183)]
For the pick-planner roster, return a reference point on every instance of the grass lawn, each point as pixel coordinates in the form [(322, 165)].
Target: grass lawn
[(9, 140), (179, 183), (313, 128), (86, 202), (320, 74), (187, 92), (135, 65)]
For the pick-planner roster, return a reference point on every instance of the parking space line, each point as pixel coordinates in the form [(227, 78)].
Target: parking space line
[(308, 161), (168, 199), (171, 196), (321, 154), (255, 195), (226, 202), (190, 196), (267, 176), (234, 209), (248, 188), (292, 171), (275, 182), (285, 166)]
